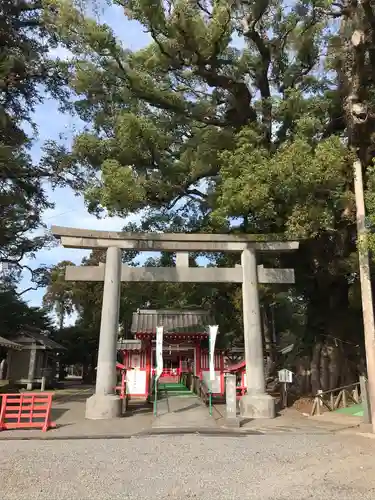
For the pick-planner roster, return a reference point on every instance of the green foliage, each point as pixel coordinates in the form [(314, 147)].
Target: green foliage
[(17, 316), (59, 297), (27, 75), (235, 110), (81, 345), (297, 190), (164, 116)]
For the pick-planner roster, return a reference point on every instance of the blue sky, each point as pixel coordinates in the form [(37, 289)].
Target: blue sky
[(70, 209)]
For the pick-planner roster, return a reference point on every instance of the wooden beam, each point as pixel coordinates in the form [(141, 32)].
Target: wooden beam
[(180, 274)]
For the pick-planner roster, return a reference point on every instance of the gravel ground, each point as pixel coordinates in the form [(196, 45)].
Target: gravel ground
[(277, 467)]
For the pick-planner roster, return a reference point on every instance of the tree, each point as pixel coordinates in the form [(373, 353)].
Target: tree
[(27, 75), (60, 294), (247, 136), (16, 315)]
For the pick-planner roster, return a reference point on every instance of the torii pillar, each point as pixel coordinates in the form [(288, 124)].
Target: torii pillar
[(256, 403), (105, 404)]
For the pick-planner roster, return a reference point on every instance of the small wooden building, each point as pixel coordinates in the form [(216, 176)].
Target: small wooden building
[(6, 346), (36, 359)]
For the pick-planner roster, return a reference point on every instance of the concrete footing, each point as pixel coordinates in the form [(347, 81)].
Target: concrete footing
[(232, 423), (257, 406), (101, 407)]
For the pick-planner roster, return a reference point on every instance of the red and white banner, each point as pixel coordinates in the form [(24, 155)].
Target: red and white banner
[(213, 329), (159, 351)]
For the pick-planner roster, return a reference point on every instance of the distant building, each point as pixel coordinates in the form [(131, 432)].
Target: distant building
[(35, 358)]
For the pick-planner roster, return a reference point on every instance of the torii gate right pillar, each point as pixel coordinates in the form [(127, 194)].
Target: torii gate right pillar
[(256, 403)]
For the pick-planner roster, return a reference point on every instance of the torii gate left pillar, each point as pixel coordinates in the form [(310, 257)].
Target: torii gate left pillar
[(104, 404)]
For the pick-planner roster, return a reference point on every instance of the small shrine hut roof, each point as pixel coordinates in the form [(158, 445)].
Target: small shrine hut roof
[(177, 323), (40, 339), (8, 344)]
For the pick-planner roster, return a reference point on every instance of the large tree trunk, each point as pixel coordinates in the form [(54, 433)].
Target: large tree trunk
[(324, 368), (267, 334), (270, 365), (303, 382), (315, 368), (334, 366)]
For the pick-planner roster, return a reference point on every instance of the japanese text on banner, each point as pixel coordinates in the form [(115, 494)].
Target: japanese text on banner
[(159, 351), (212, 334)]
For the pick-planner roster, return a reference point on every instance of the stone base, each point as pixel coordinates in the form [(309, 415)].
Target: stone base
[(103, 407), (257, 406), (233, 423)]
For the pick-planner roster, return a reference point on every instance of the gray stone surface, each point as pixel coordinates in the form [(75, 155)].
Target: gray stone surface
[(68, 412), (100, 407), (271, 467), (86, 238), (253, 407), (183, 413), (257, 406), (179, 274), (365, 399), (107, 353), (231, 419), (233, 423)]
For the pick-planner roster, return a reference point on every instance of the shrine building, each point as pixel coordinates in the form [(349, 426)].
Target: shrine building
[(185, 350)]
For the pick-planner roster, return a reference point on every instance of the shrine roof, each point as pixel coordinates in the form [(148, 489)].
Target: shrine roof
[(174, 321), (9, 344), (38, 337)]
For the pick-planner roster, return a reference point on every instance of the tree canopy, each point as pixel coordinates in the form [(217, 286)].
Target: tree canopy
[(234, 118), (17, 316), (237, 116), (28, 74)]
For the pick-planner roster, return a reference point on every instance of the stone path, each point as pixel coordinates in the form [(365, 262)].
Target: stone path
[(258, 467), (292, 421), (176, 415), (185, 412), (68, 412)]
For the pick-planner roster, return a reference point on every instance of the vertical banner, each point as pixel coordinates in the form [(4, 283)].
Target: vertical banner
[(212, 335), (159, 351)]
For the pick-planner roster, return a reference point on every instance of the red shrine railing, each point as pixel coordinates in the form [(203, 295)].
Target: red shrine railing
[(121, 389), (239, 370), (169, 375), (173, 373)]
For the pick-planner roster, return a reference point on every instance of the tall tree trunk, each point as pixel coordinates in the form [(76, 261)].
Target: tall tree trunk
[(61, 316), (334, 366), (324, 369), (270, 365), (315, 368), (61, 326), (303, 382)]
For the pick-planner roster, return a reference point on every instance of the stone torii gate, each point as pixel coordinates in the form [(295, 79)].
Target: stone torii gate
[(104, 403)]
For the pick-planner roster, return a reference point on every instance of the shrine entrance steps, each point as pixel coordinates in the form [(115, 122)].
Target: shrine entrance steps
[(168, 389), (179, 408)]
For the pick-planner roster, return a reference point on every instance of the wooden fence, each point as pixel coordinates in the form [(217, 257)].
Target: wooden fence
[(337, 398)]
